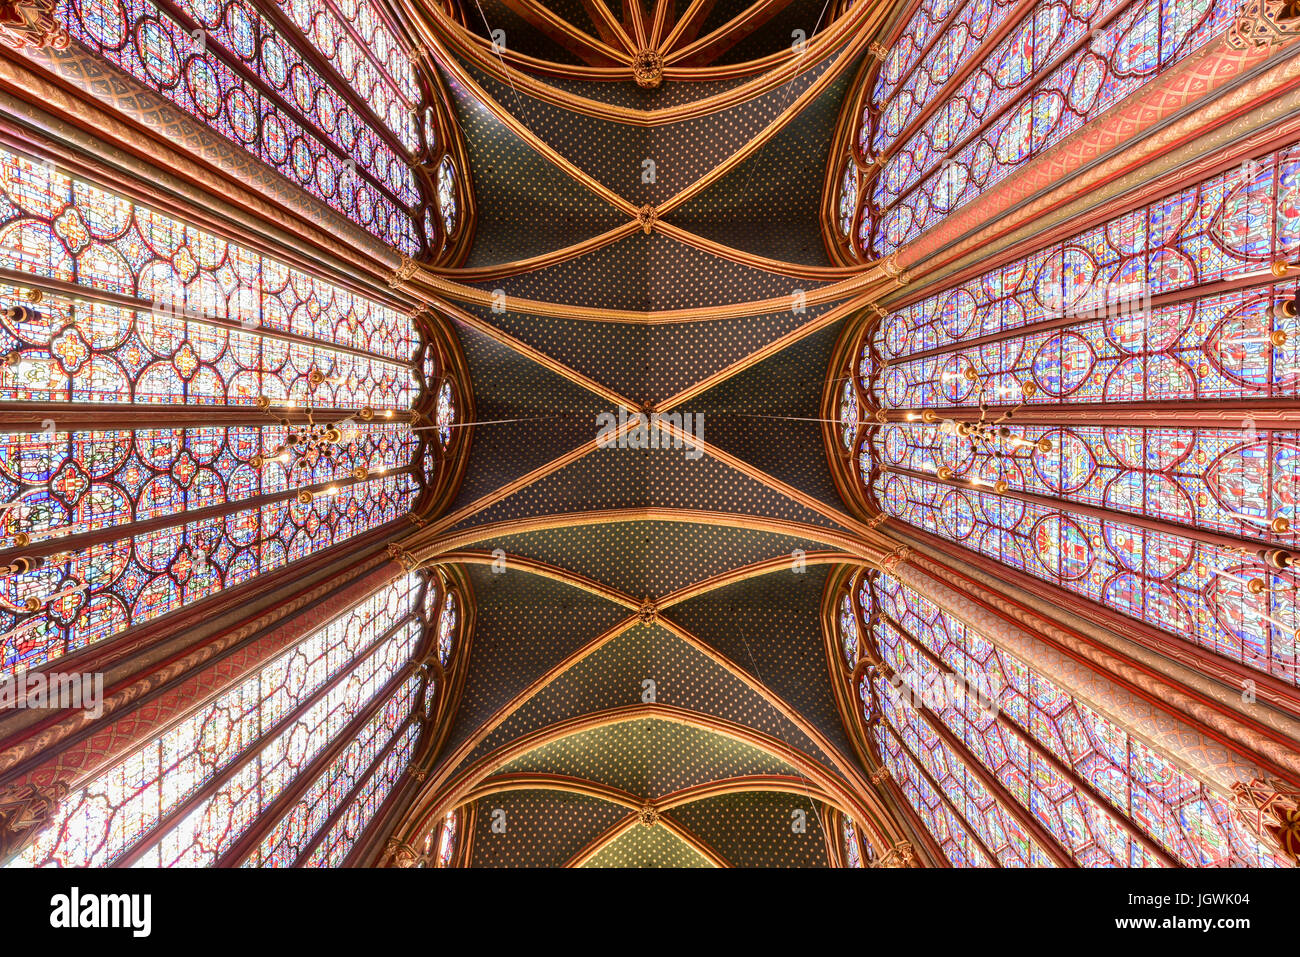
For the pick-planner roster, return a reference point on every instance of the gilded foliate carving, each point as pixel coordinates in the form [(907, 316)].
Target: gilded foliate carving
[(400, 854), (24, 810), (404, 558), (1271, 809), (1265, 23), (31, 24), (900, 855), (405, 270)]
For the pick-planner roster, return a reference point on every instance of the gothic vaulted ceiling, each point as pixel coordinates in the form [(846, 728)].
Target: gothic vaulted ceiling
[(648, 683)]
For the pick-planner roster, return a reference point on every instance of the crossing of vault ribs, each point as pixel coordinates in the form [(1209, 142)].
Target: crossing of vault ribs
[(606, 569)]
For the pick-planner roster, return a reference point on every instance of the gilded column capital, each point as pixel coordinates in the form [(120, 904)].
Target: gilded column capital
[(900, 855), (404, 271), (24, 810), (400, 854), (1263, 23), (403, 557), (895, 558), (1271, 809), (32, 24)]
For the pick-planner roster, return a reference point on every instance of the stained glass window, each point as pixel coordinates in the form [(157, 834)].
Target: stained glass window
[(343, 138), (364, 806), (852, 850), (848, 414), (130, 307), (1106, 798), (186, 796), (446, 628), (446, 840), (446, 413), (848, 197), (914, 40), (1167, 520), (287, 840), (952, 113), (447, 195), (848, 630)]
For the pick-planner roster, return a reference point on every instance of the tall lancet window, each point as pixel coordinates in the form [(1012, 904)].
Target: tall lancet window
[(1099, 414), (1004, 766), (288, 766), (201, 413), (326, 94), (974, 90)]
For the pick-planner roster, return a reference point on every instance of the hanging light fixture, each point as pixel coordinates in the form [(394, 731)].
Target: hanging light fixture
[(989, 435)]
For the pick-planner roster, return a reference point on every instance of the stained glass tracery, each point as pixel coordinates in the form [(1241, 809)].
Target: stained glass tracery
[(446, 840), (852, 850), (188, 796), (971, 92), (216, 414), (328, 95), (1170, 524), (1105, 797), (227, 66), (107, 301)]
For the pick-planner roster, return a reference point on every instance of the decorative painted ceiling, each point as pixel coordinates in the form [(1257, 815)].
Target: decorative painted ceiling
[(648, 683)]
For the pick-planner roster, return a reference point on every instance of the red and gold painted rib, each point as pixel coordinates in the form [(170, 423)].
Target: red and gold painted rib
[(681, 57)]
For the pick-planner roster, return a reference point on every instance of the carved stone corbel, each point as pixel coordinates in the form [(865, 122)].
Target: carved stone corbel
[(900, 855), (1263, 23), (399, 854), (404, 271), (24, 810), (404, 558), (32, 24), (1272, 810), (895, 558)]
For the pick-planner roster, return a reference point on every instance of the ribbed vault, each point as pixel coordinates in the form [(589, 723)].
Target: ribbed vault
[(648, 683)]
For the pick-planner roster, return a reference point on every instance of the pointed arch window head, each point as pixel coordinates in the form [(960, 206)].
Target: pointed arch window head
[(446, 414), (848, 631), (848, 413), (447, 214), (447, 195), (445, 614), (971, 93), (1082, 415), (973, 734), (852, 852)]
